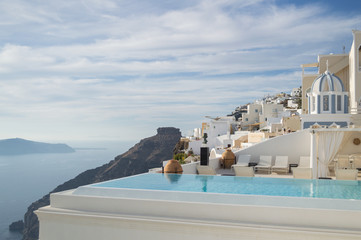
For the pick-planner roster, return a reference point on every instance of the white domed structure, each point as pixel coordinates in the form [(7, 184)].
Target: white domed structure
[(327, 82), (328, 95)]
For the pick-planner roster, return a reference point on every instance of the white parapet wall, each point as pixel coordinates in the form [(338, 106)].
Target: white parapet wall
[(139, 214), (214, 162), (292, 145), (195, 146), (190, 168)]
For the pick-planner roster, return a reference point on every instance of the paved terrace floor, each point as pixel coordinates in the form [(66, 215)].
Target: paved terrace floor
[(230, 172)]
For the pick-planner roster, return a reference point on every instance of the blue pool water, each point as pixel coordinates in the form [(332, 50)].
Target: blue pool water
[(313, 188)]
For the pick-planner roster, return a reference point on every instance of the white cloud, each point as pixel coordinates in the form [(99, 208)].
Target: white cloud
[(103, 67)]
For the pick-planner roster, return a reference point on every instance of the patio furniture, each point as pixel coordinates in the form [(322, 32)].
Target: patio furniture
[(291, 166), (356, 163), (281, 164), (265, 163), (304, 173), (243, 160), (342, 162), (346, 174), (205, 170), (242, 171), (304, 162)]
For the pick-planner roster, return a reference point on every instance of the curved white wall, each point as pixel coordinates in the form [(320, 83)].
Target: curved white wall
[(292, 145)]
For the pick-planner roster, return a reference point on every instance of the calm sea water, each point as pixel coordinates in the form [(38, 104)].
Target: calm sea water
[(26, 178)]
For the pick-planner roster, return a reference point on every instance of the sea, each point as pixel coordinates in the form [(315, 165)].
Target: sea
[(27, 178)]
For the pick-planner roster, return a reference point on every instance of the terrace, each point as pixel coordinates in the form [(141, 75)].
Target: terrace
[(271, 205), (215, 168), (323, 152)]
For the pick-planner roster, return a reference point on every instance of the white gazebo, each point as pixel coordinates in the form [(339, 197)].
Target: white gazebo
[(327, 143)]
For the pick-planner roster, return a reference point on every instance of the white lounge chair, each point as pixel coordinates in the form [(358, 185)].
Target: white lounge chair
[(346, 174), (265, 163), (243, 160), (205, 170), (305, 173), (304, 162), (243, 171), (281, 164)]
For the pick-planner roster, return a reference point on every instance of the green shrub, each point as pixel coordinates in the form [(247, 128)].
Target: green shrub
[(180, 157)]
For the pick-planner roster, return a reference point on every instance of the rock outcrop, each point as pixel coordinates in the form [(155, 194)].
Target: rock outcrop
[(17, 226), (146, 154)]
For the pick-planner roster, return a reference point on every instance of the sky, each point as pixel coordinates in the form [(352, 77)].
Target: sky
[(119, 69)]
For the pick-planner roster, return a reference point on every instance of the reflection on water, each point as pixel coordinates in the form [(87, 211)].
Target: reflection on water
[(172, 178), (204, 179)]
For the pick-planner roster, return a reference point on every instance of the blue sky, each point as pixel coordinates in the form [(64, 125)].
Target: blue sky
[(118, 70)]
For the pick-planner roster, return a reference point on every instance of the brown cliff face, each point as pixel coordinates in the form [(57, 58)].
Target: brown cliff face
[(146, 154)]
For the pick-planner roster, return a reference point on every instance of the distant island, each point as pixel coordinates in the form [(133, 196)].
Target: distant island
[(90, 148), (18, 146)]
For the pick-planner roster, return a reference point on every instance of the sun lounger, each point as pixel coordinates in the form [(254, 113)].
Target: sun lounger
[(346, 174), (243, 160), (205, 170), (305, 173), (304, 162), (265, 163), (243, 171), (281, 164)]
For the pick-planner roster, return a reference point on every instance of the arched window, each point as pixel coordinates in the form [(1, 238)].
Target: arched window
[(326, 103)]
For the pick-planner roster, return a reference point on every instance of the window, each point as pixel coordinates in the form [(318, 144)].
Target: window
[(326, 103), (256, 110), (338, 102), (246, 119)]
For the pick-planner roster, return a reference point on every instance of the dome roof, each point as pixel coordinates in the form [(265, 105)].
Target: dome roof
[(327, 82), (173, 166)]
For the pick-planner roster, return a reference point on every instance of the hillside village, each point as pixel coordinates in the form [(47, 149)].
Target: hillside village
[(329, 98), (271, 116)]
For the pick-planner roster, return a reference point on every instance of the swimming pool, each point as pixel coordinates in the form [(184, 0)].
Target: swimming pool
[(305, 188), (188, 203)]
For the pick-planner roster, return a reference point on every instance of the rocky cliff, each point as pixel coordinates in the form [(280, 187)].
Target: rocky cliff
[(146, 154)]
